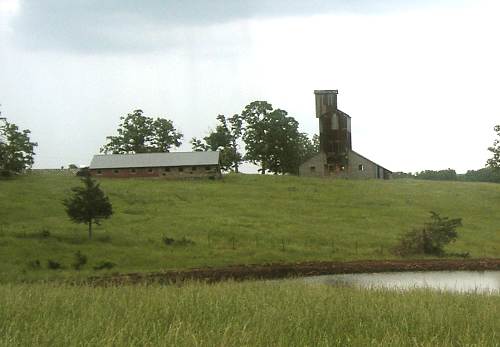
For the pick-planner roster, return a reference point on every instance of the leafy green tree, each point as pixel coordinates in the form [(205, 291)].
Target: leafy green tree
[(140, 134), (255, 133), (198, 145), (16, 149), (308, 148), (494, 162), (224, 138), (88, 204), (272, 139)]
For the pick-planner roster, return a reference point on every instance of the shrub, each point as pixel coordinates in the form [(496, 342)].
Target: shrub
[(53, 265), (80, 261), (104, 265), (83, 172), (430, 239), (168, 241)]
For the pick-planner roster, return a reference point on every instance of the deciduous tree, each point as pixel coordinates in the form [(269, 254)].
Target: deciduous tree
[(16, 149), (224, 138), (272, 139), (255, 133), (88, 204), (140, 134)]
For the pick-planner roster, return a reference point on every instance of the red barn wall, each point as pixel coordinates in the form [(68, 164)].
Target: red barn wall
[(196, 171)]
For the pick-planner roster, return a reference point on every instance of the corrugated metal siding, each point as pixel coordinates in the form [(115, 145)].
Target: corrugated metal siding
[(112, 161)]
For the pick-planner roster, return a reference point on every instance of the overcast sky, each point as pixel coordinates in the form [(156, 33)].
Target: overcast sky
[(420, 79)]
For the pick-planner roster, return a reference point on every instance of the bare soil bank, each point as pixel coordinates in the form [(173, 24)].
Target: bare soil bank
[(277, 271)]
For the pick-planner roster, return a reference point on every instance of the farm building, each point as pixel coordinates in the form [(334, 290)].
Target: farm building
[(336, 158), (160, 165)]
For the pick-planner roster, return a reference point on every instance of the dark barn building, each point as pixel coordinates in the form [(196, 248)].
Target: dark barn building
[(159, 165), (336, 157)]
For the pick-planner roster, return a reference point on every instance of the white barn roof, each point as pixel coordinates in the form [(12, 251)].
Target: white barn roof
[(115, 161)]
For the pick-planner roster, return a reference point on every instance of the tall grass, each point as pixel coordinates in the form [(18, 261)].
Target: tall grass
[(238, 220), (289, 313)]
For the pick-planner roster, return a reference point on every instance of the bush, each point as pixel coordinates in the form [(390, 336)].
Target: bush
[(430, 239), (168, 241), (53, 265), (80, 261), (83, 172), (104, 265)]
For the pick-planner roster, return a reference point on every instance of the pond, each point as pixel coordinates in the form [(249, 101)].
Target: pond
[(454, 281)]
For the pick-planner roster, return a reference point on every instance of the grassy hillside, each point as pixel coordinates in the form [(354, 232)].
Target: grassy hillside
[(285, 313), (240, 219)]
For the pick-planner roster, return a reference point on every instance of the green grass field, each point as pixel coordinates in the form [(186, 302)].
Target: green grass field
[(287, 313), (241, 219)]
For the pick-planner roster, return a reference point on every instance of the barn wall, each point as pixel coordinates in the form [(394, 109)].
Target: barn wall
[(369, 168), (318, 162), (197, 171)]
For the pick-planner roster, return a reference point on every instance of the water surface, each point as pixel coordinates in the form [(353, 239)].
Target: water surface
[(454, 281)]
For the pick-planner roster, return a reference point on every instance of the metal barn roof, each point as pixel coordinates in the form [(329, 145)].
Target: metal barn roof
[(115, 161)]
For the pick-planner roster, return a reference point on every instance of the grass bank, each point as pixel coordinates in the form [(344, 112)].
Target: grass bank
[(289, 313), (242, 219)]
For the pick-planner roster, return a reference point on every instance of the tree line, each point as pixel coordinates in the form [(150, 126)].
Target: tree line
[(270, 138), (261, 134), (487, 174)]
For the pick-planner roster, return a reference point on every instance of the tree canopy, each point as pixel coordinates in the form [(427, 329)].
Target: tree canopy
[(272, 139), (140, 134), (494, 162), (88, 204), (224, 138), (16, 149)]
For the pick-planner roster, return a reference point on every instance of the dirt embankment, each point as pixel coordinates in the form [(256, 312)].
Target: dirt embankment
[(277, 271)]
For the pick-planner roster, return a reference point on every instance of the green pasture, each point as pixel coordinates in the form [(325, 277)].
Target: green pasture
[(241, 219)]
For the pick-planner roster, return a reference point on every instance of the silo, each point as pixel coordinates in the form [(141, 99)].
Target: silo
[(334, 130)]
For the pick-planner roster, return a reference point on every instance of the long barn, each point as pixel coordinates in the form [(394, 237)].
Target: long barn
[(159, 165)]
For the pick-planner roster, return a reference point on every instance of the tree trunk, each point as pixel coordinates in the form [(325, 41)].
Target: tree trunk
[(263, 172), (90, 230)]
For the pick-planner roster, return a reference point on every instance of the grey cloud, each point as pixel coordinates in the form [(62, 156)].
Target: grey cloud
[(133, 25)]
